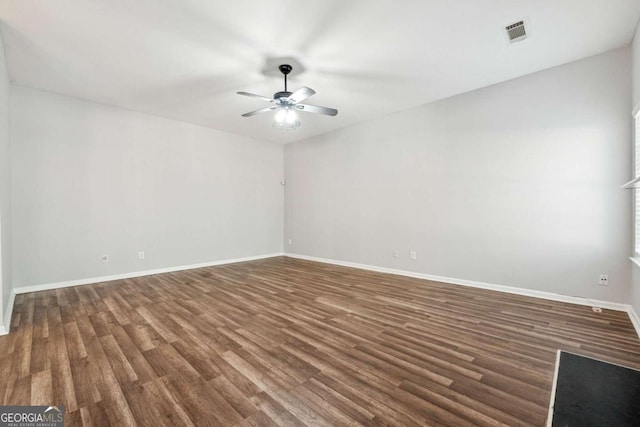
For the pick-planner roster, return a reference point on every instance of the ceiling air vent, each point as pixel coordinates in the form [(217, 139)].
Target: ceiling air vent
[(516, 32)]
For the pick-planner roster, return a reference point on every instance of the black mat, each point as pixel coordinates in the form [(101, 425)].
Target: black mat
[(594, 393)]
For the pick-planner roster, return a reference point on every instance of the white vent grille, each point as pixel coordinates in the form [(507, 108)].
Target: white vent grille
[(516, 32)]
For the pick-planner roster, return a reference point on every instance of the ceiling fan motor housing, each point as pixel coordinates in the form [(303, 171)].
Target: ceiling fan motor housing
[(283, 94)]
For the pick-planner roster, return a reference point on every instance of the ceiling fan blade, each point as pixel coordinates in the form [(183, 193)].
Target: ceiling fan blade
[(253, 95), (317, 109), (301, 94), (262, 110)]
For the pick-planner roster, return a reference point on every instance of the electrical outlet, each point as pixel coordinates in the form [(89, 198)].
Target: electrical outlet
[(604, 280), (105, 258), (396, 254), (141, 255), (412, 255), (290, 241)]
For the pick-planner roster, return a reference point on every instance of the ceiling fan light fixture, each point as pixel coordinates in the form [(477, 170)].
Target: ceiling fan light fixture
[(286, 119), (291, 117)]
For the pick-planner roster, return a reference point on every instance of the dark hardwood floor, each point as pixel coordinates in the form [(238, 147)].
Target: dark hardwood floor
[(290, 342)]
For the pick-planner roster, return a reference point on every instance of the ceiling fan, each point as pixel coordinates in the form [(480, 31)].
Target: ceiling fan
[(288, 103)]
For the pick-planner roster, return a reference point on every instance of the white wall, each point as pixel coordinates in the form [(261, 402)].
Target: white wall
[(5, 188), (90, 180), (635, 77), (517, 184), (635, 61)]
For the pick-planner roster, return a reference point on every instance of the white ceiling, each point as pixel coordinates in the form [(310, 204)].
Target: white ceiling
[(186, 59)]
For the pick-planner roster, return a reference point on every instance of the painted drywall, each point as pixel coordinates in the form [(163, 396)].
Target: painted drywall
[(635, 61), (91, 180), (5, 187), (635, 78), (517, 184)]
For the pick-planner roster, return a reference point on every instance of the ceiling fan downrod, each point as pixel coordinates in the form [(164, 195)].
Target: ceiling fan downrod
[(285, 69)]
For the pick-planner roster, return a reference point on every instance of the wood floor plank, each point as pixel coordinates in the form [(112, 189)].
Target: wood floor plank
[(18, 391), (74, 418), (289, 342), (276, 412), (41, 388), (324, 409), (259, 419), (234, 396), (141, 367), (121, 367), (345, 405), (478, 412)]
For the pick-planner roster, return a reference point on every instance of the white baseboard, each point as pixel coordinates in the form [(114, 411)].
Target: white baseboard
[(68, 283), (490, 286), (633, 316), (635, 320), (4, 330)]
